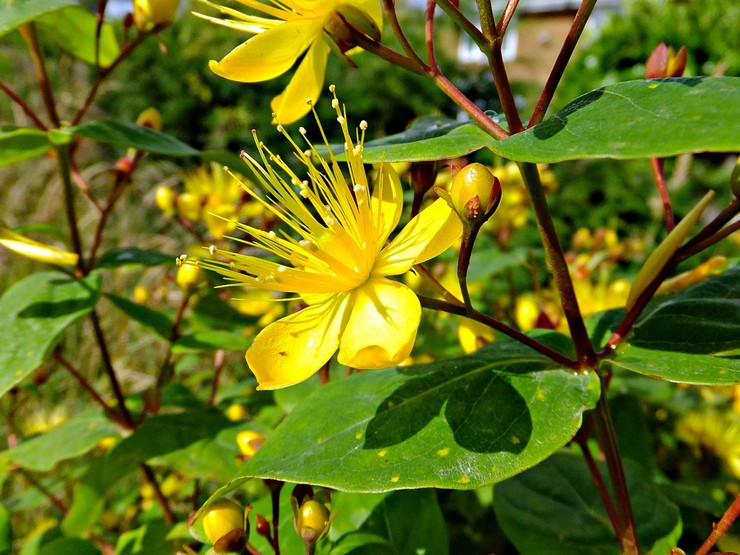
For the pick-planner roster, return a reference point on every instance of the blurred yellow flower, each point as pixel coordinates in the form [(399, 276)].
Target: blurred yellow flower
[(33, 249), (337, 261), (291, 28)]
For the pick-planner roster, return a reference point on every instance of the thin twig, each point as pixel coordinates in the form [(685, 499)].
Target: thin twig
[(53, 499), (721, 528), (63, 159), (561, 62), (218, 366), (390, 12), (467, 26), (429, 34), (460, 310), (598, 481), (28, 32), (656, 165), (151, 478), (23, 106), (503, 23)]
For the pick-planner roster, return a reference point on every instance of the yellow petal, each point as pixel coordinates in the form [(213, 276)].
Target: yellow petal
[(292, 349), (268, 54), (382, 325), (306, 84), (33, 249), (430, 233), (386, 203)]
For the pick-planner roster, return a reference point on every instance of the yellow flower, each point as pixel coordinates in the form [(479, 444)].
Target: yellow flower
[(337, 260), (291, 28), (33, 249)]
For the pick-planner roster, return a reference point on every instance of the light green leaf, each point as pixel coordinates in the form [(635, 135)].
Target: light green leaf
[(634, 119), (149, 539), (73, 29), (34, 313), (6, 531), (14, 13), (554, 508), (680, 337), (125, 135), (210, 340), (69, 440), (21, 143), (158, 321), (459, 423)]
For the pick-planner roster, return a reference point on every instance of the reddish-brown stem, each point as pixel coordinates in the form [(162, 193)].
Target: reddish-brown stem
[(99, 15), (454, 13), (53, 499), (607, 439), (558, 265), (558, 68), (460, 310), (446, 295), (503, 23), (167, 515), (721, 528), (63, 159), (103, 74), (390, 12), (429, 34), (275, 497), (28, 32), (390, 56), (61, 359), (593, 468), (656, 165), (128, 421), (218, 366), (727, 213), (82, 184), (690, 250), (23, 106)]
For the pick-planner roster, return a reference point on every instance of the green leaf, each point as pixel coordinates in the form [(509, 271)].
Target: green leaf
[(679, 337), (69, 440), (34, 313), (125, 135), (360, 543), (634, 119), (158, 321), (149, 539), (554, 508), (6, 531), (21, 143), (73, 28), (459, 424), (14, 13), (125, 256), (78, 546)]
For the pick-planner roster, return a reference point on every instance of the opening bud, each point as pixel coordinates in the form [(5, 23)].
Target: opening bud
[(249, 442), (664, 61), (224, 519), (150, 118), (345, 23), (474, 194)]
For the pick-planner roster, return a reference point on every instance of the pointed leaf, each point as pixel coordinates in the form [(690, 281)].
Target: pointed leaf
[(124, 256), (6, 531), (21, 143), (14, 13), (125, 135), (460, 424), (158, 321), (71, 439), (554, 508), (34, 313), (634, 119), (683, 337)]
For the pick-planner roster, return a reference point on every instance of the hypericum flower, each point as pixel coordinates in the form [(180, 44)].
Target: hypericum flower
[(292, 28), (336, 257)]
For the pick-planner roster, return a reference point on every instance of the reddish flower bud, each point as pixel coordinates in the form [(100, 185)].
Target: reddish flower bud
[(664, 61)]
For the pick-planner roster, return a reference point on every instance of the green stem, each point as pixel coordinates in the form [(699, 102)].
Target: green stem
[(558, 265), (607, 439), (561, 62)]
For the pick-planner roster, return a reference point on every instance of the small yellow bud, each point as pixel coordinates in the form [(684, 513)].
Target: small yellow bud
[(474, 193), (249, 442), (190, 206), (141, 294), (165, 199), (150, 118), (236, 412), (149, 13), (312, 521), (188, 276), (221, 517)]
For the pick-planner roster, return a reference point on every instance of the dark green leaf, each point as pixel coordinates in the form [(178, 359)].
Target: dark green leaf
[(360, 543), (634, 119), (78, 546), (158, 321), (459, 424), (125, 256), (33, 314), (554, 508), (69, 440), (149, 539), (678, 336), (125, 135), (73, 29), (21, 143), (14, 13)]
